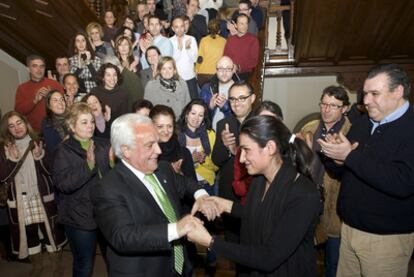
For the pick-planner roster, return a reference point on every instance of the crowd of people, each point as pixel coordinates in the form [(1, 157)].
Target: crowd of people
[(149, 134)]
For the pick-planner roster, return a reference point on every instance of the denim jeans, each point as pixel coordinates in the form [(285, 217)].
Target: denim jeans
[(331, 256), (83, 246)]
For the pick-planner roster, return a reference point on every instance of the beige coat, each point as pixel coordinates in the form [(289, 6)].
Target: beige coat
[(329, 221)]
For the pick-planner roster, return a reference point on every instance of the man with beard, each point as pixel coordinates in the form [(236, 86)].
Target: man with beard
[(215, 92)]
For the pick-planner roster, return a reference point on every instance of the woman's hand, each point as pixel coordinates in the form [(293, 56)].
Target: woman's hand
[(223, 205), (107, 113), (198, 157), (90, 153), (12, 151), (199, 235), (38, 149)]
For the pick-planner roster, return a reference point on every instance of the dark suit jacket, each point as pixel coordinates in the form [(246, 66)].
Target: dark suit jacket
[(132, 222), (223, 159)]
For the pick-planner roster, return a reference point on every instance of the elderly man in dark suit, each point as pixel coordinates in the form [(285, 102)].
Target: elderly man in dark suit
[(137, 205)]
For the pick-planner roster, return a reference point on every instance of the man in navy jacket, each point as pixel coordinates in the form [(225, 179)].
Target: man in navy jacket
[(376, 200)]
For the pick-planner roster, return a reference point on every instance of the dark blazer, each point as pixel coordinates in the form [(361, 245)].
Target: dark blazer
[(277, 231), (133, 223), (73, 180), (223, 159)]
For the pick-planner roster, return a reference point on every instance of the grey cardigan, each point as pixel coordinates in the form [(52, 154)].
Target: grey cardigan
[(158, 94)]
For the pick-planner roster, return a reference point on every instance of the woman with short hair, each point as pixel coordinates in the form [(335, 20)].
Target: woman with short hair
[(80, 162)]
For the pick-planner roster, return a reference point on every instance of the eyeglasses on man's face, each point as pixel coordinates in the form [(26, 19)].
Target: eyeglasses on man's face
[(225, 69), (240, 99), (323, 105)]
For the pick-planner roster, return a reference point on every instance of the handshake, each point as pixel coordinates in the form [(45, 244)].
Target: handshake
[(192, 227)]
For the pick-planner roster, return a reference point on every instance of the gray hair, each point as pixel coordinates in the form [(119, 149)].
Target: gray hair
[(122, 131)]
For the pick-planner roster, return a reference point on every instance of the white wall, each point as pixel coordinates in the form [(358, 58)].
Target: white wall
[(12, 73), (298, 96)]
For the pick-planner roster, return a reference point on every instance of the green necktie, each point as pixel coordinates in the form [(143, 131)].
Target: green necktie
[(172, 217)]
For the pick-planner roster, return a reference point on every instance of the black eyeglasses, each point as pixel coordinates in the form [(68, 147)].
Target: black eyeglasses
[(240, 99), (331, 106)]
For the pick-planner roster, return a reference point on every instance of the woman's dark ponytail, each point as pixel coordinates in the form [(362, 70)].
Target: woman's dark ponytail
[(263, 128)]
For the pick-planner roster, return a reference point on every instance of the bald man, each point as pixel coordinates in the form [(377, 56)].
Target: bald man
[(215, 92)]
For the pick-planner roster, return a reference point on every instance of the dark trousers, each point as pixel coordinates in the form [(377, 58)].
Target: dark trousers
[(193, 88), (331, 256), (83, 246)]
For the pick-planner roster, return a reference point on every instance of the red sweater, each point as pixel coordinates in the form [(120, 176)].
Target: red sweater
[(244, 51), (25, 95)]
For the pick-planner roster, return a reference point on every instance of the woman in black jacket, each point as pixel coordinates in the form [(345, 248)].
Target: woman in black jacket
[(282, 207), (80, 161)]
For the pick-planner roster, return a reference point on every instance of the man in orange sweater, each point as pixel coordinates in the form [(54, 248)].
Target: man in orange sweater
[(30, 96)]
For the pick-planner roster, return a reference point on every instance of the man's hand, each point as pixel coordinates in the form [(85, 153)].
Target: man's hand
[(337, 147), (229, 140), (177, 166), (40, 94), (213, 99), (186, 224), (207, 207), (188, 44), (199, 235), (220, 100)]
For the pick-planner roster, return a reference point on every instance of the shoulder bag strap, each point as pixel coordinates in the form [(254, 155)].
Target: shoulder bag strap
[(19, 164)]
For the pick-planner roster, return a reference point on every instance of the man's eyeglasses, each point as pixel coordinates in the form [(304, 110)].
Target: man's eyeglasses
[(225, 69), (240, 99), (330, 106)]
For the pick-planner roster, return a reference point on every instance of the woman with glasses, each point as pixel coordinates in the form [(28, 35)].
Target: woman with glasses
[(31, 199), (168, 88), (54, 128), (282, 207)]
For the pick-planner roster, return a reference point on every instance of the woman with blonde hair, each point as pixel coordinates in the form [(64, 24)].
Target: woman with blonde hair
[(80, 162), (95, 34), (168, 88)]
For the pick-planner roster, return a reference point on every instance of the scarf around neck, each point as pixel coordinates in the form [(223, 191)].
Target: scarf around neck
[(201, 133), (170, 85)]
